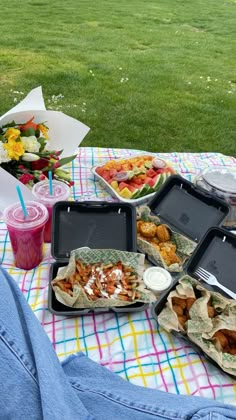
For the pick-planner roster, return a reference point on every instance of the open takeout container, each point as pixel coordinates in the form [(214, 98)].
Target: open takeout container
[(216, 253), (187, 210), (98, 225)]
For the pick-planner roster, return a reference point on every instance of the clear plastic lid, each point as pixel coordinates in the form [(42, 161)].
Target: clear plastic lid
[(60, 192), (14, 216), (221, 178)]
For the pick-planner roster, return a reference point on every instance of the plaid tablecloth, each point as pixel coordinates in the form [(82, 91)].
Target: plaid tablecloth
[(130, 345)]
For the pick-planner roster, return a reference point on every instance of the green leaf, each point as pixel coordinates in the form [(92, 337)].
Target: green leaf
[(37, 133), (42, 143), (10, 124), (29, 132), (66, 160)]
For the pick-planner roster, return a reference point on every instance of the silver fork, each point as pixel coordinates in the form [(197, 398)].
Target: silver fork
[(212, 280)]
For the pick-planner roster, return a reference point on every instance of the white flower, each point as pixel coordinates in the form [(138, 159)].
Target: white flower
[(3, 154), (29, 157), (30, 144)]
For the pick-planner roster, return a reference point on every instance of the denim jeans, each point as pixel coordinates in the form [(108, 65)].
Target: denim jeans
[(34, 385)]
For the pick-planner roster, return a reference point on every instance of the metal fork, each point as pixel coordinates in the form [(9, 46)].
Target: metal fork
[(212, 280)]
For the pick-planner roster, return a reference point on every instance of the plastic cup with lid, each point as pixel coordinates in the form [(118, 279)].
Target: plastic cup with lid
[(42, 193), (26, 233), (157, 279)]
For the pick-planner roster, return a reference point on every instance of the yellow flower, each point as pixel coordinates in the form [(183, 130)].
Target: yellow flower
[(15, 149), (12, 134), (44, 130)]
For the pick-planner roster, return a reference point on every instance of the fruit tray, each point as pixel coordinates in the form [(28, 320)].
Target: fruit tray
[(134, 180)]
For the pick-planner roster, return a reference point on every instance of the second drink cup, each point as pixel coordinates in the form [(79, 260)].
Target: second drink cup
[(41, 192)]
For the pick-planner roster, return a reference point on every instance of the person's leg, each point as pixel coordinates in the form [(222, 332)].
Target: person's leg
[(32, 382), (35, 386), (104, 391)]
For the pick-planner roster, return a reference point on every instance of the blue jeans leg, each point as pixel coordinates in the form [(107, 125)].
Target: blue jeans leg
[(35, 386)]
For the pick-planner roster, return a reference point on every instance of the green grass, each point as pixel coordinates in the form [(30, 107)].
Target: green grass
[(157, 75)]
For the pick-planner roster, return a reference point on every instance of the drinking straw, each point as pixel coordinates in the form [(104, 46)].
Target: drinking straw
[(21, 201), (50, 182)]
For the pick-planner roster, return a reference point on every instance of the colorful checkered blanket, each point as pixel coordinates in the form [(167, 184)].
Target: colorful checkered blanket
[(131, 345)]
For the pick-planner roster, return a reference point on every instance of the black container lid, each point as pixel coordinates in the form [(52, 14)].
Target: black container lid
[(188, 209), (216, 253), (92, 224)]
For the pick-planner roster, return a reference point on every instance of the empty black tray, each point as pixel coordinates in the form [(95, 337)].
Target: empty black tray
[(187, 209)]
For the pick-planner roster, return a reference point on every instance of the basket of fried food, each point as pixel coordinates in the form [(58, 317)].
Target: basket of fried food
[(206, 318), (101, 278), (162, 246)]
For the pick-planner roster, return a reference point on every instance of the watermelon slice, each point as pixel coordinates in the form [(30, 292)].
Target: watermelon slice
[(158, 182)]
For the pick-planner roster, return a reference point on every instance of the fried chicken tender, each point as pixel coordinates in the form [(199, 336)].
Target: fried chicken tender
[(221, 341), (165, 257), (167, 246), (178, 310), (148, 229), (162, 232), (139, 223), (178, 301), (231, 335), (155, 245), (182, 319), (225, 341), (155, 240), (211, 311), (189, 302), (174, 257)]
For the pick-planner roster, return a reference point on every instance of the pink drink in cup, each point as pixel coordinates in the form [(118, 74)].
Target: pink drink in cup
[(26, 233), (41, 192)]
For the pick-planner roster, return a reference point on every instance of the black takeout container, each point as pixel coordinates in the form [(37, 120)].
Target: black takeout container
[(97, 225), (216, 253), (187, 209)]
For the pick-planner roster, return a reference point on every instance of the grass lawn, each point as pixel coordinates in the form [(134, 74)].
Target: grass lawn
[(157, 75)]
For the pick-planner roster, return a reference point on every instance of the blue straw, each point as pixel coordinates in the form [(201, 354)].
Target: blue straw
[(21, 201), (50, 182)]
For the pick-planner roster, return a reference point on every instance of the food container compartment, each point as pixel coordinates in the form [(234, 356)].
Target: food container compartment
[(216, 253), (95, 225), (57, 308), (221, 182), (187, 210), (133, 193)]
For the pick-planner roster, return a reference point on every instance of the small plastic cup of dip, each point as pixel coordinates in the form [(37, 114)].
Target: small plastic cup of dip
[(157, 279), (41, 192)]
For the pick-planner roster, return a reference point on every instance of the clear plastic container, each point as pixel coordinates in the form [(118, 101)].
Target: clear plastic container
[(221, 182), (157, 279)]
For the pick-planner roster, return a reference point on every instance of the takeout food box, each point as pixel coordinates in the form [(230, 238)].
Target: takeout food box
[(133, 180), (185, 212), (203, 321), (96, 225)]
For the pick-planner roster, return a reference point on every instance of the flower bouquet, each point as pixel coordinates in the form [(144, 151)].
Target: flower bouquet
[(25, 153)]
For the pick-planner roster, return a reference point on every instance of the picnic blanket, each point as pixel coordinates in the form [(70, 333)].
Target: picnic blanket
[(131, 345)]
